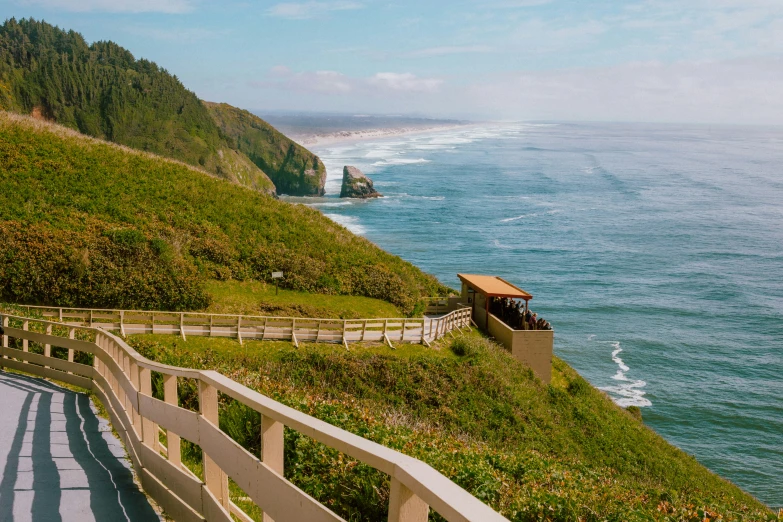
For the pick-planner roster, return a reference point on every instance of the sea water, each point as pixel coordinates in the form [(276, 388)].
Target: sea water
[(655, 251)]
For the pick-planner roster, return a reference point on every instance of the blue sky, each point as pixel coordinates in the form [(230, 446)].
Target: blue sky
[(640, 60)]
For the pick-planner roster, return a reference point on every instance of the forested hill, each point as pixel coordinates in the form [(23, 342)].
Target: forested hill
[(101, 90)]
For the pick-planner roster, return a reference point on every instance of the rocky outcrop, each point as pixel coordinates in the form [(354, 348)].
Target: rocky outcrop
[(357, 185)]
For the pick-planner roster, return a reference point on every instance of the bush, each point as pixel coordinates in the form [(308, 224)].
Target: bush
[(468, 346), (95, 268), (635, 411)]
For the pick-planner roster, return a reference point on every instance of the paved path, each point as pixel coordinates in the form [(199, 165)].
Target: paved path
[(58, 461)]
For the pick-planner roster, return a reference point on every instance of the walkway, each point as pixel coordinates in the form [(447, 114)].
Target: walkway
[(58, 461)]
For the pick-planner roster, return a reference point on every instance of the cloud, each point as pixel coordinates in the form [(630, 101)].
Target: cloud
[(117, 6), (304, 10), (405, 82), (451, 49), (733, 91), (335, 83)]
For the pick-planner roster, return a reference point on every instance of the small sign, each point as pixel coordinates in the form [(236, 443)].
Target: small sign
[(277, 275)]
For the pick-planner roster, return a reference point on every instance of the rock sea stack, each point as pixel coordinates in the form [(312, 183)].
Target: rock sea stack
[(357, 185)]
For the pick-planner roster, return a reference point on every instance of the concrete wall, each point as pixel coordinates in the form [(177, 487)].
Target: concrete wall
[(479, 310), (531, 347)]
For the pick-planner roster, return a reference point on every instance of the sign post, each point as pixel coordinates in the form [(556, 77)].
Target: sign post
[(276, 276)]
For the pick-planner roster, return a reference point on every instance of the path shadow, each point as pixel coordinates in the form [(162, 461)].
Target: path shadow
[(114, 496)]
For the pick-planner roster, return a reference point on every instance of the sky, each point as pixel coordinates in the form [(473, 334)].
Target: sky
[(689, 61)]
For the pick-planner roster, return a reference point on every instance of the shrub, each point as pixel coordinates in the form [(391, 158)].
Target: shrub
[(468, 346)]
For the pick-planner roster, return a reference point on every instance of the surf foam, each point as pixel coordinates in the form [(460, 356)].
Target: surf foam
[(629, 392)]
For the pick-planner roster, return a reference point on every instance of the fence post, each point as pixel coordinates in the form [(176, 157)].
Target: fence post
[(134, 378), (71, 335), (5, 340), (172, 439), (239, 328), (404, 505), (48, 347), (182, 326), (214, 477), (272, 444), (149, 432), (25, 327), (5, 337)]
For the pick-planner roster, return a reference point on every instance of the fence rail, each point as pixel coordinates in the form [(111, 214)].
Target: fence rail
[(122, 379), (242, 327)]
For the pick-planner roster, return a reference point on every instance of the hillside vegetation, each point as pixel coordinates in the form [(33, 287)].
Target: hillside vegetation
[(101, 90), (291, 167), (560, 452), (88, 223), (259, 298)]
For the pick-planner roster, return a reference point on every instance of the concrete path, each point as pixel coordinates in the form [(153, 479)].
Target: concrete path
[(59, 461)]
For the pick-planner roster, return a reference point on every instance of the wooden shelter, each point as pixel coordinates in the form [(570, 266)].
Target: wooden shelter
[(478, 290), (531, 347)]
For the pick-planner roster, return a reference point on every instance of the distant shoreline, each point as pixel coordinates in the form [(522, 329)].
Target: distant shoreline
[(310, 140)]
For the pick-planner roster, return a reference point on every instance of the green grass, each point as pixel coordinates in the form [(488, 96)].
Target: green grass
[(88, 223), (258, 298), (560, 452)]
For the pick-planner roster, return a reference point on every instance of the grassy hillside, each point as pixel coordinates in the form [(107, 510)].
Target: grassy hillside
[(293, 169), (259, 298), (85, 222), (101, 90), (562, 452)]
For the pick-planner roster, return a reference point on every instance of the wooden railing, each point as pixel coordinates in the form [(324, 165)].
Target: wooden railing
[(442, 305), (122, 379), (295, 329)]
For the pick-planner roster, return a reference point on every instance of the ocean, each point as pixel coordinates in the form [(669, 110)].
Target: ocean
[(655, 251)]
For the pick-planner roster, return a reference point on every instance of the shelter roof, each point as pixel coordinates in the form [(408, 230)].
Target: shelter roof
[(494, 286)]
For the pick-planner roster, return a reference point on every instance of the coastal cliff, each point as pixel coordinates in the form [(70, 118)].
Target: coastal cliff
[(292, 168), (357, 185)]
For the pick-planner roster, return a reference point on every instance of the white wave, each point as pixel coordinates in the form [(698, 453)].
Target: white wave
[(342, 203), (500, 245), (401, 161), (381, 153), (617, 360), (630, 392), (411, 196), (591, 337), (349, 222), (517, 218), (431, 146), (523, 216)]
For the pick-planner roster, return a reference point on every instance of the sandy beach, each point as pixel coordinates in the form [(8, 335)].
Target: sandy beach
[(311, 140)]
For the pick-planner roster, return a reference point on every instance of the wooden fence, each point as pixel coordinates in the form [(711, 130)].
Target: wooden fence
[(295, 329), (122, 379)]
